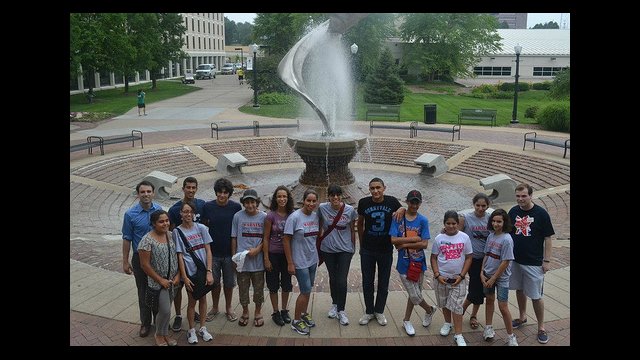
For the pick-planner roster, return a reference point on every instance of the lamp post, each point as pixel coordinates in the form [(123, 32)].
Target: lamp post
[(241, 57), (354, 50), (514, 116), (254, 48)]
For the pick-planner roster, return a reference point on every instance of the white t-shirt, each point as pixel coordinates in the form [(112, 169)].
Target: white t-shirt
[(451, 251)]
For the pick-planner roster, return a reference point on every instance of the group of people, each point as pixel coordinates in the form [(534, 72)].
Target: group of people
[(240, 243)]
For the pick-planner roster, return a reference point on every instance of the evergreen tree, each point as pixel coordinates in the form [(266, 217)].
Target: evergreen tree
[(384, 86)]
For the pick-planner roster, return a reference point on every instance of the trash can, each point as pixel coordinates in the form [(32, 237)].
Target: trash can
[(429, 113)]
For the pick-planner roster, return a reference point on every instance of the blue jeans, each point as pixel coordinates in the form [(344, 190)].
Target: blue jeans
[(338, 268), (305, 278), (368, 262)]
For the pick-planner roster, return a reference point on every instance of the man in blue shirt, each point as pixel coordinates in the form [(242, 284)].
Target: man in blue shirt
[(135, 225)]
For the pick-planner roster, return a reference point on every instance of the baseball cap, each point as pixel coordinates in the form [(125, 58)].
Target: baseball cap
[(249, 194), (414, 195)]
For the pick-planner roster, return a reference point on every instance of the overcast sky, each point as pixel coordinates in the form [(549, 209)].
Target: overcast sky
[(532, 18)]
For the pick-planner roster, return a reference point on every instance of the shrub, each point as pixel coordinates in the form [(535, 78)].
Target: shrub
[(522, 86), (275, 98), (484, 89), (545, 85), (555, 117), (531, 112), (561, 87)]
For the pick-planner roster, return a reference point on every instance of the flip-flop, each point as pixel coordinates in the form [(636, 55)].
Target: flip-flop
[(259, 321), (211, 315), (473, 322), (244, 320), (232, 317)]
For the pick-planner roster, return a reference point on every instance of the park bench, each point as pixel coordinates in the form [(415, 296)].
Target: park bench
[(231, 164), (381, 110), (275, 126), (553, 142), (401, 126), (92, 141), (503, 188), (217, 128), (415, 127), (478, 114), (432, 165)]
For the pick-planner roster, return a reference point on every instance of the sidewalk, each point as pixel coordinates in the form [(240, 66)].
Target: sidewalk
[(103, 301)]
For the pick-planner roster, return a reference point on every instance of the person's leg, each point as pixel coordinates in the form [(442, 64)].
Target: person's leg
[(489, 307), (163, 317), (331, 262), (257, 281), (368, 270), (475, 295), (215, 292), (522, 305), (503, 305), (229, 275), (141, 284), (342, 272), (384, 263), (244, 281), (273, 283), (177, 305), (287, 287)]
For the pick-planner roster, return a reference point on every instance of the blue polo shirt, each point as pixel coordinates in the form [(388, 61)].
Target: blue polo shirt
[(137, 222)]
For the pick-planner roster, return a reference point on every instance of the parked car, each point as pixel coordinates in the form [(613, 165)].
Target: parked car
[(228, 69), (188, 77), (206, 71)]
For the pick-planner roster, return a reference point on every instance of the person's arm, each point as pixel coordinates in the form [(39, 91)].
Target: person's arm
[(504, 264), (483, 279), (399, 214), (360, 226), (352, 225), (265, 244), (209, 264), (548, 246), (460, 222), (183, 272), (436, 271), (465, 268), (126, 248), (291, 267)]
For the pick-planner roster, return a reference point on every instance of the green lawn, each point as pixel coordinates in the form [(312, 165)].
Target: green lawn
[(116, 102)]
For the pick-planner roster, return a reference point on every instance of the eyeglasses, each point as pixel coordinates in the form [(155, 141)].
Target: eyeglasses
[(186, 212)]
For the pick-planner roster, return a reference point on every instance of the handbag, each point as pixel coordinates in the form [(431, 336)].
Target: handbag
[(414, 270), (151, 295), (199, 279), (324, 235)]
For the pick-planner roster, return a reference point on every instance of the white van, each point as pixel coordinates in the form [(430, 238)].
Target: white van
[(206, 71)]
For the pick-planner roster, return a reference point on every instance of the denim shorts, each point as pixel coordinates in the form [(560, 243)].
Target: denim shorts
[(222, 267), (503, 292), (305, 278)]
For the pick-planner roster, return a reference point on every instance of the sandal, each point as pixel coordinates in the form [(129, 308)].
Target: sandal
[(211, 315), (259, 321), (232, 317), (473, 322), (244, 320)]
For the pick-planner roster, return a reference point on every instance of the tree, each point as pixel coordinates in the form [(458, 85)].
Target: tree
[(448, 43), (503, 25), (547, 25), (168, 42), (561, 86), (370, 35), (384, 85), (230, 32), (280, 31)]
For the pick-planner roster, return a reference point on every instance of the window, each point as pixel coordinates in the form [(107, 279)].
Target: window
[(545, 70), (186, 23), (193, 24), (209, 43), (199, 43), (198, 25), (193, 41), (186, 40), (209, 28), (492, 70)]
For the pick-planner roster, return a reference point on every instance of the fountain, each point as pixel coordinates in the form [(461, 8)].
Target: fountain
[(322, 79)]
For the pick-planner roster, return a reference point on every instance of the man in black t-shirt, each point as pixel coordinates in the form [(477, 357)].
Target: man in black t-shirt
[(374, 220)]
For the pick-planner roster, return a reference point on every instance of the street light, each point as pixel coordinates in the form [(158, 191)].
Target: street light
[(241, 57), (354, 50), (254, 48), (514, 117)]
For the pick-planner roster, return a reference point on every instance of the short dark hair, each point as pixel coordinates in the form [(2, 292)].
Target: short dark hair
[(376, 179), (451, 214), (156, 215), (189, 179), (523, 186), (223, 184), (146, 183), (334, 189), (481, 196)]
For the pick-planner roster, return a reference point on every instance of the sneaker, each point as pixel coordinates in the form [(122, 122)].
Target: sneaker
[(204, 334), (445, 329), (191, 336), (459, 339), (426, 321), (300, 327), (177, 324), (277, 318), (342, 316), (308, 320), (543, 338), (333, 312), (517, 323), (382, 320), (285, 316), (489, 333), (408, 327), (511, 340), (196, 317), (364, 320)]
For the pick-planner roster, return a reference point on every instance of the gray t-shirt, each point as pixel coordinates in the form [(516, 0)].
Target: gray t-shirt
[(476, 228), (196, 237), (498, 249), (248, 231), (304, 231), (339, 239)]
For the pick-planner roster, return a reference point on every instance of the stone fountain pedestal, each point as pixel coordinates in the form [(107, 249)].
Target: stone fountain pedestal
[(326, 161)]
